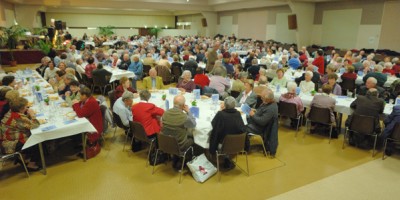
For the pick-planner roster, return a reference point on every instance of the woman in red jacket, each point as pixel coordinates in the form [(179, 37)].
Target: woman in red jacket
[(89, 107), (200, 78), (147, 114), (320, 62), (125, 85)]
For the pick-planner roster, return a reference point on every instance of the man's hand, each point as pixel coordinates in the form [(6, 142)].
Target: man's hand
[(186, 108)]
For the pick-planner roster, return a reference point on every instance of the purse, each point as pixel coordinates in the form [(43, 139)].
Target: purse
[(201, 168)]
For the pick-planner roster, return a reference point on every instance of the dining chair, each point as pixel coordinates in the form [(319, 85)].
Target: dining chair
[(169, 145), (322, 116), (394, 138), (232, 145), (362, 124)]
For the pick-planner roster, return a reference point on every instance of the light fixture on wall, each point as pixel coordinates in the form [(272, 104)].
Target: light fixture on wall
[(166, 26), (15, 22), (155, 26), (145, 26), (91, 28)]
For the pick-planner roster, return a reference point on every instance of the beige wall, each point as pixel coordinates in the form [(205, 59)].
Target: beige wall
[(196, 25), (6, 14), (96, 20), (390, 27)]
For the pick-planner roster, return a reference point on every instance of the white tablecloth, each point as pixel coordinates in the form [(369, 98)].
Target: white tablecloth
[(110, 43), (206, 114), (118, 73), (90, 43)]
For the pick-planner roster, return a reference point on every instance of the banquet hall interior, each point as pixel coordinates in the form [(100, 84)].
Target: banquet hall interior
[(333, 63)]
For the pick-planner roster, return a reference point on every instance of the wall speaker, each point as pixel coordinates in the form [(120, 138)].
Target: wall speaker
[(58, 25), (292, 22), (204, 22), (64, 25)]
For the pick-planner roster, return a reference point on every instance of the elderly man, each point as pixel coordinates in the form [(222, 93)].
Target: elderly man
[(153, 81), (371, 83), (67, 80), (122, 107), (227, 121), (42, 68), (176, 122), (378, 75), (262, 85), (212, 56), (125, 62), (264, 121), (369, 105)]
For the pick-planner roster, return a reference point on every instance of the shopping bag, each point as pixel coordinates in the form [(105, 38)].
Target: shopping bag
[(201, 168)]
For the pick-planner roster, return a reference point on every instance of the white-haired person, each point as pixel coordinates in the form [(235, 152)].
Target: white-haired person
[(388, 69), (291, 97), (136, 67), (279, 79), (186, 84), (115, 61), (377, 74), (307, 85)]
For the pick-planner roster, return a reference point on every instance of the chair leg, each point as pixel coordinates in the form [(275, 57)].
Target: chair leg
[(183, 164), (23, 163), (384, 149), (330, 134), (148, 154), (373, 150), (155, 161), (298, 123), (126, 140), (247, 164), (218, 171), (307, 129), (344, 137), (265, 151)]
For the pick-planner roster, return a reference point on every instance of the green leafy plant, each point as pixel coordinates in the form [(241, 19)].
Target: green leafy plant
[(155, 31), (194, 103), (106, 31), (39, 31), (11, 36), (45, 46)]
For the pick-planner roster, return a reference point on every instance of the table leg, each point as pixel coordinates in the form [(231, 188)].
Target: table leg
[(84, 146), (44, 171)]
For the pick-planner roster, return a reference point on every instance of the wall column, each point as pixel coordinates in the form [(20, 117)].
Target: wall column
[(211, 18), (305, 19)]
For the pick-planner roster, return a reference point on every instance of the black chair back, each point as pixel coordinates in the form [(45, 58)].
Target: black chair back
[(168, 144), (139, 133), (111, 97), (348, 84), (118, 121), (362, 124), (176, 72), (396, 132), (287, 109), (320, 115), (146, 69), (233, 144), (100, 81), (103, 110)]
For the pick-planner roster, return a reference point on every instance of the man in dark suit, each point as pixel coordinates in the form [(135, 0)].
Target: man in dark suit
[(102, 73), (371, 82), (368, 105), (125, 62)]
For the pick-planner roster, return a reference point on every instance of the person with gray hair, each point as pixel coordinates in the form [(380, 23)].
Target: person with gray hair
[(122, 107), (271, 73), (147, 114), (227, 121), (177, 122), (378, 75), (264, 120), (186, 84), (307, 85), (368, 105), (369, 84), (238, 84), (388, 69)]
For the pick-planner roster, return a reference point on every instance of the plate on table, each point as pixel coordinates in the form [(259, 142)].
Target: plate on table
[(42, 121), (47, 86), (64, 104), (204, 97), (50, 91), (30, 104), (71, 115), (54, 97)]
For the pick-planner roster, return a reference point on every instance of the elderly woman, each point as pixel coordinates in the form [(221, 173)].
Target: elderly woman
[(62, 66), (329, 69), (58, 81), (124, 85), (115, 61), (137, 68), (73, 93), (261, 72), (17, 124), (388, 69), (349, 74), (307, 85), (50, 71), (186, 84), (336, 89), (271, 73), (284, 62), (227, 121), (280, 79), (248, 96), (291, 97)]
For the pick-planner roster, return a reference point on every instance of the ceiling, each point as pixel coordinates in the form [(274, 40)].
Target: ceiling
[(159, 7)]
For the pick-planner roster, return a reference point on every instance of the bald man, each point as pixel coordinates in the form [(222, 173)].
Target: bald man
[(176, 122), (153, 81)]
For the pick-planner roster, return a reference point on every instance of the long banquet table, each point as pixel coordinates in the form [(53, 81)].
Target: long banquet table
[(57, 121)]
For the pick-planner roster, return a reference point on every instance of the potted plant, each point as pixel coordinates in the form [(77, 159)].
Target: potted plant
[(10, 36), (106, 31), (155, 31), (44, 46)]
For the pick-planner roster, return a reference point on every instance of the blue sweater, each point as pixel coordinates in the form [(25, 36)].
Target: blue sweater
[(137, 68)]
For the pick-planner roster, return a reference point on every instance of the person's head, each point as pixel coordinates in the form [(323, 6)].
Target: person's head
[(63, 56), (274, 66), (248, 85), (199, 70), (135, 58), (176, 58), (308, 76), (60, 75), (19, 104), (74, 86), (332, 77), (262, 80), (79, 61), (238, 68), (127, 98), (153, 73), (330, 68), (86, 93), (70, 71), (388, 65), (62, 66), (254, 61), (8, 81), (320, 52), (179, 101), (3, 92), (366, 64), (378, 68), (45, 60), (68, 78), (50, 64), (372, 92), (280, 73), (115, 56), (125, 57), (326, 88), (12, 95), (371, 82), (350, 69), (186, 75), (267, 96), (124, 81), (229, 102), (291, 87), (90, 60), (242, 76), (144, 95)]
